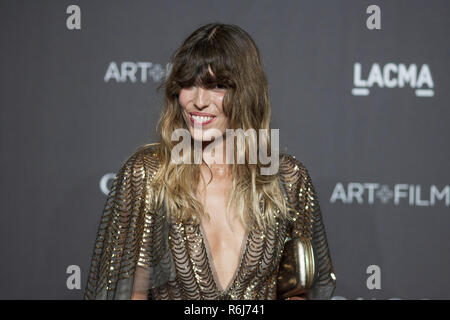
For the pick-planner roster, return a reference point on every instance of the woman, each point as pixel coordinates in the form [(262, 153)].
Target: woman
[(209, 229)]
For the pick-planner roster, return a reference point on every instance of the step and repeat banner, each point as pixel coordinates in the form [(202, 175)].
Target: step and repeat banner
[(359, 91)]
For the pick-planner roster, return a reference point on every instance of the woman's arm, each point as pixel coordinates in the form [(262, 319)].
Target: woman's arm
[(326, 280), (141, 284), (309, 223), (114, 273)]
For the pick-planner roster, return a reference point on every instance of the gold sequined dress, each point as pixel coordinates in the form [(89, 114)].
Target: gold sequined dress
[(139, 250)]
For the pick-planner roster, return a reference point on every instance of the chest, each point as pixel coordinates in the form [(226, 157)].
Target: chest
[(222, 230), (196, 274), (218, 256)]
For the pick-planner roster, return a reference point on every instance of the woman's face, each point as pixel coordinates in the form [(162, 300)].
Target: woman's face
[(203, 111)]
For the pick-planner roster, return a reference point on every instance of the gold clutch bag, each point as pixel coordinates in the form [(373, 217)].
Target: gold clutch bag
[(297, 272)]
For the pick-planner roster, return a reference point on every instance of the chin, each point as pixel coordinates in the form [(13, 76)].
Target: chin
[(206, 135)]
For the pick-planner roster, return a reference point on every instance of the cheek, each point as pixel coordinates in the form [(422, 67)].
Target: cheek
[(183, 98), (219, 103)]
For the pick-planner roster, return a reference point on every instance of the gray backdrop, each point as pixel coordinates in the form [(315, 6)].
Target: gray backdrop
[(366, 111)]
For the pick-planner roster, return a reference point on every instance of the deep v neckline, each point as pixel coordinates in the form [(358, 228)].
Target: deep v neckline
[(212, 266)]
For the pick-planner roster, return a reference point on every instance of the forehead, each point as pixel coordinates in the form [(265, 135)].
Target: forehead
[(205, 65)]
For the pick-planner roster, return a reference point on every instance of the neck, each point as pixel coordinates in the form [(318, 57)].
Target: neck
[(214, 156)]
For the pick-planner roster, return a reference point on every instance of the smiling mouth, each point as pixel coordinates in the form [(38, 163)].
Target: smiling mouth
[(200, 119)]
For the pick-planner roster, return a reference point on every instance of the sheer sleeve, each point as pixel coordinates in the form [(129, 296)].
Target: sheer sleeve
[(309, 223), (124, 262)]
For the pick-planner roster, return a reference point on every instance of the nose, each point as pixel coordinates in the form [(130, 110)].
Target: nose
[(201, 99)]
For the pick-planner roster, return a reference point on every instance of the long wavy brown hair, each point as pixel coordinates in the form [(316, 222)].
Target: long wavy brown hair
[(235, 61)]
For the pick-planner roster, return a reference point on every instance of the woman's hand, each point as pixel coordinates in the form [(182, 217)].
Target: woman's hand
[(139, 296), (300, 297)]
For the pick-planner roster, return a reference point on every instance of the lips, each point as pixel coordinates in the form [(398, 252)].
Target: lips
[(201, 118)]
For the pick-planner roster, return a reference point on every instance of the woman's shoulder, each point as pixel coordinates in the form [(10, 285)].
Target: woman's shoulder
[(144, 159), (149, 150), (292, 168)]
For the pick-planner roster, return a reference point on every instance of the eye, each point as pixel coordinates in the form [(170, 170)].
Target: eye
[(220, 86)]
